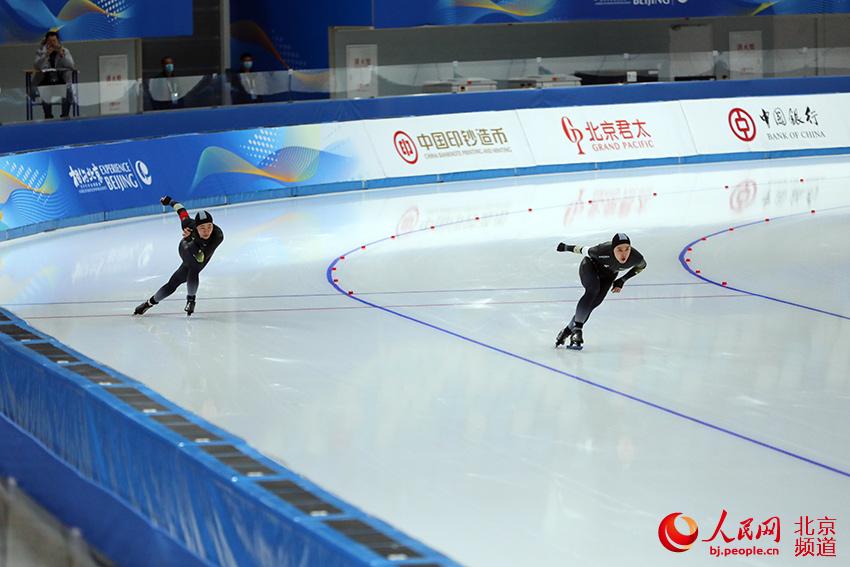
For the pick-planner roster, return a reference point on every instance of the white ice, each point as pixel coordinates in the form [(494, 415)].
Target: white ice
[(449, 414)]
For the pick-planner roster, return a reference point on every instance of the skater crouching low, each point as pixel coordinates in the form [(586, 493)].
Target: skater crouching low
[(200, 239), (598, 272)]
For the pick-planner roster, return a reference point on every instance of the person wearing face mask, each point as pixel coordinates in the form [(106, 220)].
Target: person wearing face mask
[(244, 81), (167, 63), (599, 272), (200, 240), (165, 87), (54, 66)]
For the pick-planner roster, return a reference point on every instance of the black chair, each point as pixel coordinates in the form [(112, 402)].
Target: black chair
[(34, 96)]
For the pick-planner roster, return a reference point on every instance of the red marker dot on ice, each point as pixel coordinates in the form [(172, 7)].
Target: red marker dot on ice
[(352, 293), (433, 227), (726, 187), (393, 236), (477, 218), (703, 238), (723, 283), (336, 280), (363, 248), (813, 211), (333, 269), (529, 210), (342, 257), (655, 194), (690, 249), (801, 180), (687, 259), (732, 228), (590, 200), (698, 271), (766, 220)]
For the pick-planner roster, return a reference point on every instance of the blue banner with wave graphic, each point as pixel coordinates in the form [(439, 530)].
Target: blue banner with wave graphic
[(393, 14), (27, 20), (74, 182)]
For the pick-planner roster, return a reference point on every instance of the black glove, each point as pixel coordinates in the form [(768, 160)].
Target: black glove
[(561, 247), (619, 282), (188, 222), (166, 201)]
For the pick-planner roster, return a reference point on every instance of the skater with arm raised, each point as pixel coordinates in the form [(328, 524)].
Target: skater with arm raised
[(200, 239), (599, 272)]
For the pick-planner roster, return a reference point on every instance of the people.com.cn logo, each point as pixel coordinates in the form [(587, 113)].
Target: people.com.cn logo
[(573, 134), (405, 147), (742, 124), (672, 538)]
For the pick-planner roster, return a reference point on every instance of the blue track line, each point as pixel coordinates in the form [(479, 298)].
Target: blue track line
[(705, 238), (329, 273)]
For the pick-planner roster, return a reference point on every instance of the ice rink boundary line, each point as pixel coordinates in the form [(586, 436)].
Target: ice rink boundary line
[(687, 265), (334, 294), (200, 314), (329, 276)]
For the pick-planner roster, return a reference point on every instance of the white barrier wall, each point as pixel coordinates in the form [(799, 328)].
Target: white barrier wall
[(768, 123), (71, 183), (608, 133), (589, 134), (449, 143)]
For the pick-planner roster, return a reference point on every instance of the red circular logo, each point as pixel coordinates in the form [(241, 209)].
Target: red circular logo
[(742, 124), (405, 147), (672, 538), (743, 195), (408, 221)]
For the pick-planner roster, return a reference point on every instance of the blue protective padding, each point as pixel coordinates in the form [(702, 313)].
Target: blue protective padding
[(61, 490), (33, 136), (339, 187), (128, 479), (402, 181)]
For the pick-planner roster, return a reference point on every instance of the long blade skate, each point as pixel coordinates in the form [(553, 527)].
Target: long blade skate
[(563, 336), (576, 340), (141, 309)]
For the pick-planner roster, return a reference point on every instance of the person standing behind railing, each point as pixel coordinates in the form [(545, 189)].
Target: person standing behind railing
[(244, 82), (165, 88), (54, 65)]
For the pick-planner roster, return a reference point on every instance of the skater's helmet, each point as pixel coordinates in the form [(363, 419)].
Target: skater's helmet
[(620, 238), (203, 217)]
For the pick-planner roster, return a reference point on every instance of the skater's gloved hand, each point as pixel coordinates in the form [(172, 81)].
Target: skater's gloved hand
[(562, 247), (618, 284), (166, 201), (187, 233), (187, 223)]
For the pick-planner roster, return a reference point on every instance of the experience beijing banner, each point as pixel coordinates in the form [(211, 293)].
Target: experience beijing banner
[(72, 182)]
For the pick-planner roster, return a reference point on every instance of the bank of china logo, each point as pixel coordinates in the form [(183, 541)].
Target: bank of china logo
[(672, 538), (143, 173)]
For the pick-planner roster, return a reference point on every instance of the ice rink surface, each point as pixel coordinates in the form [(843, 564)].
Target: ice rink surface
[(433, 397)]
